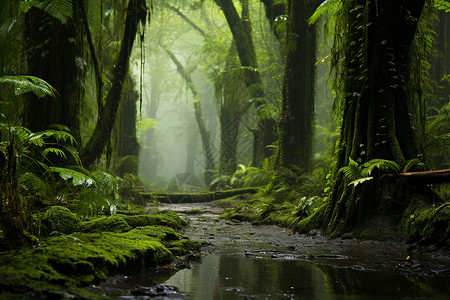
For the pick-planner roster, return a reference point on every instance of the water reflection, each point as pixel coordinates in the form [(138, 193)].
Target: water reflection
[(222, 276)]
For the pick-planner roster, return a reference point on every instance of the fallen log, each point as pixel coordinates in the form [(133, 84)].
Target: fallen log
[(426, 177), (199, 197)]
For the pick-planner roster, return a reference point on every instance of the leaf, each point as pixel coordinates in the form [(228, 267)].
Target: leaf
[(55, 151), (387, 166), (411, 163), (327, 6), (58, 9), (360, 180), (442, 5), (25, 83), (352, 171), (78, 178)]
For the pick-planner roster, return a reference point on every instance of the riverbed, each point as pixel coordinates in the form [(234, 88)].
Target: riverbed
[(243, 261)]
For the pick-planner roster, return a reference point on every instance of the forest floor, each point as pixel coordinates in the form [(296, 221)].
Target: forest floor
[(270, 241), (235, 253)]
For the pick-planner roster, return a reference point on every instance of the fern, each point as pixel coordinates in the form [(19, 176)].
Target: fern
[(32, 185), (357, 174), (353, 171), (58, 9), (77, 178), (442, 5), (412, 163), (384, 165), (268, 111), (25, 83), (327, 6)]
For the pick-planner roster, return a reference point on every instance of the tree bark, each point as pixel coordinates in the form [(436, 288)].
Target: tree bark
[(136, 13), (52, 48), (378, 38), (241, 30), (297, 120)]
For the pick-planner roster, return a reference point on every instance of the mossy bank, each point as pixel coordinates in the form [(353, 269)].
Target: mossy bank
[(60, 265)]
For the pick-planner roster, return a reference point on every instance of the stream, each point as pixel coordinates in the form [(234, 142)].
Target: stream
[(242, 261)]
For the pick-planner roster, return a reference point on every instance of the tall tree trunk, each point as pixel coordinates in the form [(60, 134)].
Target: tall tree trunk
[(52, 49), (297, 119), (206, 142), (377, 37), (241, 29), (127, 143), (92, 151), (230, 89)]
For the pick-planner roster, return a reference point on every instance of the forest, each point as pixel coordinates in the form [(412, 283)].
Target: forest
[(311, 115)]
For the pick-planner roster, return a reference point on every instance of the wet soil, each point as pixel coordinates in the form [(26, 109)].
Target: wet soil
[(243, 261), (273, 242)]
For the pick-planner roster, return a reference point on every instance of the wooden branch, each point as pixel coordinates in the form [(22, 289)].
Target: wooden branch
[(197, 197), (437, 176)]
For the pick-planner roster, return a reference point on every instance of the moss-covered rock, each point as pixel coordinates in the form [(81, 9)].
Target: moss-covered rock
[(113, 223), (61, 264), (58, 219), (427, 225)]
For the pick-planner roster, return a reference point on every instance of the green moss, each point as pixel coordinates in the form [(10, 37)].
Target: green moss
[(81, 258), (170, 238), (60, 219), (113, 223), (427, 225)]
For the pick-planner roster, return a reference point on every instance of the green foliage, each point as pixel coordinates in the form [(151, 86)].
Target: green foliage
[(442, 5), (356, 173), (245, 176), (268, 112), (327, 6), (25, 83), (59, 9)]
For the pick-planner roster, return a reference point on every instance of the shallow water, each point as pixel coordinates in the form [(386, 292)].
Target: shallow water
[(247, 262)]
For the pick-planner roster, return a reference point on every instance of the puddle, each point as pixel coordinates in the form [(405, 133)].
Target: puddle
[(242, 261)]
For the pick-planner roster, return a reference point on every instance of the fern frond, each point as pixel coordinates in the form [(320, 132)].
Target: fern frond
[(383, 165), (59, 135), (268, 111), (58, 9), (78, 178), (327, 6), (412, 163), (442, 5), (25, 83), (352, 172), (56, 151), (360, 180), (31, 184)]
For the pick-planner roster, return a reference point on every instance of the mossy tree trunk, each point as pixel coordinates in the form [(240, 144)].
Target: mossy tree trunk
[(274, 9), (377, 39), (127, 142), (52, 51), (241, 29), (204, 133), (136, 12), (230, 90), (297, 119)]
